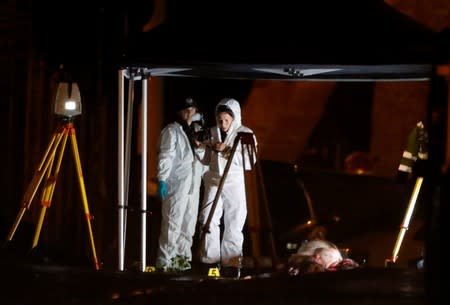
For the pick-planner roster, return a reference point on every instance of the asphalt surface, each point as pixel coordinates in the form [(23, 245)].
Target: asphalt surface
[(29, 283)]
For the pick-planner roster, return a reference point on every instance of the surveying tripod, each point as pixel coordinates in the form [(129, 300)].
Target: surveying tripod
[(248, 144), (50, 170)]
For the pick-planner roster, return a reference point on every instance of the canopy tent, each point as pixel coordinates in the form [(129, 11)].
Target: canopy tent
[(324, 40)]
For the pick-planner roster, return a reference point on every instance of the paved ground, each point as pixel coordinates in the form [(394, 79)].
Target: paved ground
[(27, 283)]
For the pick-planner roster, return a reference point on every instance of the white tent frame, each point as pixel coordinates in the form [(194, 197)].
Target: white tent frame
[(141, 73)]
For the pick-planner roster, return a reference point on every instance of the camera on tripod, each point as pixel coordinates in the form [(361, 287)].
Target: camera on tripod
[(201, 131)]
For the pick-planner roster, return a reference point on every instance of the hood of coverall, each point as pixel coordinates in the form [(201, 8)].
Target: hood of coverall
[(235, 108)]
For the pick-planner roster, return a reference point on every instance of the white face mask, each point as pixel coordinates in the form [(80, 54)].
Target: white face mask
[(197, 117)]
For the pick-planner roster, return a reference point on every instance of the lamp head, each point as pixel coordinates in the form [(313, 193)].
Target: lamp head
[(68, 100)]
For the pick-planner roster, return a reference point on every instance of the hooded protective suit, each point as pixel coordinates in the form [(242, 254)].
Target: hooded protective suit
[(232, 202), (182, 171)]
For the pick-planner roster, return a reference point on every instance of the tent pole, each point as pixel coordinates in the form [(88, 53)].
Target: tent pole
[(120, 166), (144, 175)]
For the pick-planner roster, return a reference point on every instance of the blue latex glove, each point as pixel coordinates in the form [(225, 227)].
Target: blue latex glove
[(162, 189)]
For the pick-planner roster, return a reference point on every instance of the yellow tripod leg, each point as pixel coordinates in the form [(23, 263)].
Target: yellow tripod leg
[(406, 220), (83, 194), (49, 188), (36, 181)]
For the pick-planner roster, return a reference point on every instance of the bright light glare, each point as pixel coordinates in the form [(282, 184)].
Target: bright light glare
[(70, 105)]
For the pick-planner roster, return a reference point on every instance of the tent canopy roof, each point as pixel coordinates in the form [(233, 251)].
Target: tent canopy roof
[(324, 40)]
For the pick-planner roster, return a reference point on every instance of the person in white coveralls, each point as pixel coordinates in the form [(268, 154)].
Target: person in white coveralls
[(232, 204), (179, 173)]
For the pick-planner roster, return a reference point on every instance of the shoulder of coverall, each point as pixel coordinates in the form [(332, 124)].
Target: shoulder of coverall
[(235, 108), (171, 127), (171, 130), (244, 128)]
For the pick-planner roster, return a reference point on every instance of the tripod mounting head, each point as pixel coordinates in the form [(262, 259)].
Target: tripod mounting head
[(246, 138)]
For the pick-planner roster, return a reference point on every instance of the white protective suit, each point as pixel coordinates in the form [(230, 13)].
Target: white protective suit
[(232, 203), (182, 172)]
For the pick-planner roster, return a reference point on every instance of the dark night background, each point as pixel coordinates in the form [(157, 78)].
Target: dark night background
[(86, 39), (90, 40)]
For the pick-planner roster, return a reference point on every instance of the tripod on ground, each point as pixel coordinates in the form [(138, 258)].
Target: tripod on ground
[(248, 144), (50, 170)]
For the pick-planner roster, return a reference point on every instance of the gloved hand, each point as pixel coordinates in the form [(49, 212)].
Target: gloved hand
[(162, 190)]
